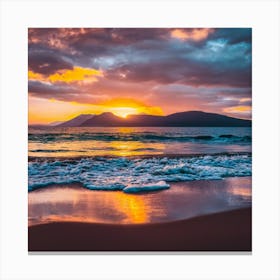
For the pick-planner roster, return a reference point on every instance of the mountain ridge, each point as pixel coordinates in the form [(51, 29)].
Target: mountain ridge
[(184, 119)]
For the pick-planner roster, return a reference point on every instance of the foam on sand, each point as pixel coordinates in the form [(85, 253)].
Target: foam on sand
[(146, 187)]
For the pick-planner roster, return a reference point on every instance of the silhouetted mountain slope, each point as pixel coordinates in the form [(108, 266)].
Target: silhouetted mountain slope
[(191, 118), (197, 118), (105, 119), (77, 121)]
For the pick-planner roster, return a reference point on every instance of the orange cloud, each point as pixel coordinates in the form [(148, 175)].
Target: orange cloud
[(238, 109), (35, 76), (77, 74), (196, 34), (242, 100)]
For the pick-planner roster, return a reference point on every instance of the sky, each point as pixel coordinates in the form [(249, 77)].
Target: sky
[(159, 71)]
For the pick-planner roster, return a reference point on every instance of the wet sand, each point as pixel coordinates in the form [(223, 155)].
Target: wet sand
[(184, 200), (225, 231), (210, 215)]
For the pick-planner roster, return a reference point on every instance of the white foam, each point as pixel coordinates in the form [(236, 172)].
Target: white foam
[(148, 187), (136, 174)]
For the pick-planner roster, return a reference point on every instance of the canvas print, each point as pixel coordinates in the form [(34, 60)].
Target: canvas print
[(139, 139)]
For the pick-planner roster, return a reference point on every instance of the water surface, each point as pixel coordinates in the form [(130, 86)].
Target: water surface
[(120, 141)]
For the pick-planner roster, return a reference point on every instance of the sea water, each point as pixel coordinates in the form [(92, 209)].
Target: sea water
[(136, 159)]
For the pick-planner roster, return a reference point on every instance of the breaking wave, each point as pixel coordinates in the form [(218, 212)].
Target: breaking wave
[(135, 174)]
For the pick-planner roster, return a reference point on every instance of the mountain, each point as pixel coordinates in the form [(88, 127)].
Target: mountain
[(77, 121), (198, 118), (190, 118), (55, 123), (104, 119)]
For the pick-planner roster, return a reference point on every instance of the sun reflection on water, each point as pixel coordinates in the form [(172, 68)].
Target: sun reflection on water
[(76, 204), (95, 148)]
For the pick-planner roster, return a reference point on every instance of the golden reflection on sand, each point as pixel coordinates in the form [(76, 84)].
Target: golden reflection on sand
[(74, 204), (183, 200), (237, 189), (242, 191), (134, 207)]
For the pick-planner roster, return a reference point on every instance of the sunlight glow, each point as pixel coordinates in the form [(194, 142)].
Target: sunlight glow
[(50, 110), (124, 111), (123, 107)]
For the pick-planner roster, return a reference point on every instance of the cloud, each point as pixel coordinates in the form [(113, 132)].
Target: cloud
[(49, 90), (240, 111), (174, 68), (195, 34), (62, 92), (214, 63), (233, 35), (184, 71), (77, 75), (46, 61), (145, 54), (35, 76)]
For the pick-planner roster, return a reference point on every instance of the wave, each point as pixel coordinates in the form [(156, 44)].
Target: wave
[(48, 151), (141, 137), (136, 174)]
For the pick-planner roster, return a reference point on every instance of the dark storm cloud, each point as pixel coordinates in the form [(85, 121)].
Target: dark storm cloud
[(41, 88), (213, 62), (246, 103), (60, 92), (233, 35), (93, 41), (130, 47), (185, 71), (146, 55), (66, 92), (46, 62)]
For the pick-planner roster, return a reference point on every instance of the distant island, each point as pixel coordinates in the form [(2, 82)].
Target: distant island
[(180, 119)]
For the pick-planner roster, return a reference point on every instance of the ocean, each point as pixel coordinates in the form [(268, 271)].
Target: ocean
[(135, 159)]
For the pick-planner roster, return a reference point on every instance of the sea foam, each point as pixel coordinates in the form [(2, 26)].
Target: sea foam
[(146, 187), (136, 174)]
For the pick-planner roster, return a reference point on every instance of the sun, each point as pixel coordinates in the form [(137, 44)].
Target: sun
[(123, 112), (123, 107)]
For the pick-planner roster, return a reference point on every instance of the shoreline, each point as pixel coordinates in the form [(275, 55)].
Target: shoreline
[(79, 185), (223, 231)]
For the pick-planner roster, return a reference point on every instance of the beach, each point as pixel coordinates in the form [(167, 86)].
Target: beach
[(139, 189), (190, 216), (226, 231)]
